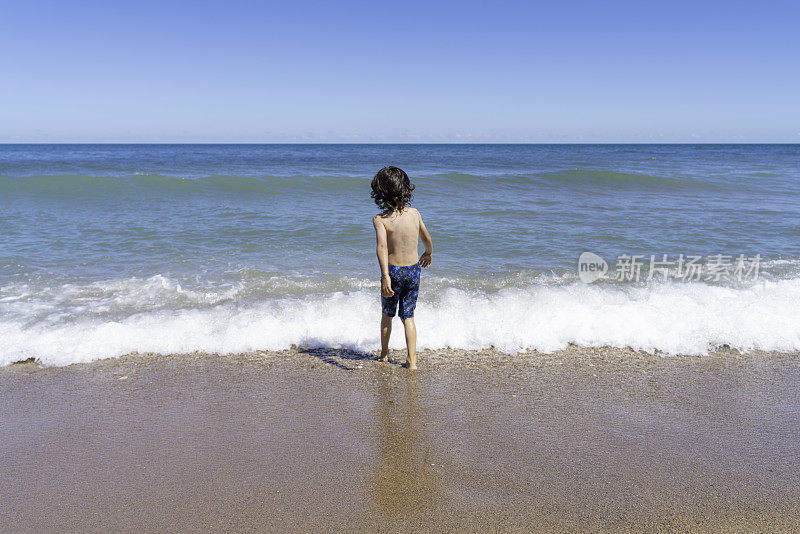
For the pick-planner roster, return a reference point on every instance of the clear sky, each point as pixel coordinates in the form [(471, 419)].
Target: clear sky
[(556, 71)]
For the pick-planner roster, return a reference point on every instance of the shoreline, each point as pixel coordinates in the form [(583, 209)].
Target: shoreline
[(327, 440), (450, 355)]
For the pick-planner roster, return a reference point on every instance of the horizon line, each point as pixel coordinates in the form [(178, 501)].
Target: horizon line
[(3, 143)]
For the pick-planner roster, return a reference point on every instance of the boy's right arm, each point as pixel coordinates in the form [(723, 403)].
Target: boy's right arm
[(382, 250), (426, 257)]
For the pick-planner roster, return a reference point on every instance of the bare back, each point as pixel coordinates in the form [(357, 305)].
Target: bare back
[(402, 235)]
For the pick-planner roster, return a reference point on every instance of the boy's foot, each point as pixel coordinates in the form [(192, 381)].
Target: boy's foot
[(383, 357), (410, 366)]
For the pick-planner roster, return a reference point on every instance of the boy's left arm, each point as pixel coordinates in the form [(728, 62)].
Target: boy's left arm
[(426, 258)]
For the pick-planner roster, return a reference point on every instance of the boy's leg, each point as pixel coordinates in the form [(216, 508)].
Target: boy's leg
[(411, 342), (386, 331)]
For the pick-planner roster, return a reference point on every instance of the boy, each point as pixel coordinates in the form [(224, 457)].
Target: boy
[(397, 228)]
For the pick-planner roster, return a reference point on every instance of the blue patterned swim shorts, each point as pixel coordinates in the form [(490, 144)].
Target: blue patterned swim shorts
[(405, 284)]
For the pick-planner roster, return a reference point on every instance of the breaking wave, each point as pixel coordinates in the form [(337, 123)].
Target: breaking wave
[(59, 325)]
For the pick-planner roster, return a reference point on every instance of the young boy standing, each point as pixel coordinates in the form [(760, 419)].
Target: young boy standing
[(397, 229)]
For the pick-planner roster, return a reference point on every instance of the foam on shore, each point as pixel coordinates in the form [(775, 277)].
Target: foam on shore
[(73, 323)]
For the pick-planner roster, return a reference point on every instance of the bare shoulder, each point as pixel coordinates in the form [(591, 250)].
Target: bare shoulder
[(377, 220), (415, 212)]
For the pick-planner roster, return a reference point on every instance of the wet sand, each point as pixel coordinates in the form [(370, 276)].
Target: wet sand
[(328, 440)]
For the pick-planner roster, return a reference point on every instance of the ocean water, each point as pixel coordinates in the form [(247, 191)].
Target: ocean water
[(110, 249)]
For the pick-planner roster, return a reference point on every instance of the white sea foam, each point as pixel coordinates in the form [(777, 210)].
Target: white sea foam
[(72, 323)]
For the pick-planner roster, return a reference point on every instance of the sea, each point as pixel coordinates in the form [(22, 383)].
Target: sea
[(111, 249)]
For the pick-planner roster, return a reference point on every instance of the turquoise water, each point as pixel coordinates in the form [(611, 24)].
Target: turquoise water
[(109, 249)]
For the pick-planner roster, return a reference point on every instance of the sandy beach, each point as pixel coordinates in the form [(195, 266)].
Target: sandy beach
[(328, 440)]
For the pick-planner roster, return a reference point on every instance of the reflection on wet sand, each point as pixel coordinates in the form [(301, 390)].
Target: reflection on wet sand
[(404, 481)]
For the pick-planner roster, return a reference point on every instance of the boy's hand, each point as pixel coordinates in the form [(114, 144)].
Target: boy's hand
[(386, 286), (425, 259)]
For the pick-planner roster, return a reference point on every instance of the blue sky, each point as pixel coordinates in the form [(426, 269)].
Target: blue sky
[(430, 71)]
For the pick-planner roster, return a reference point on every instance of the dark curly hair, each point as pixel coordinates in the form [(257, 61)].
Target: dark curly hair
[(391, 189)]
